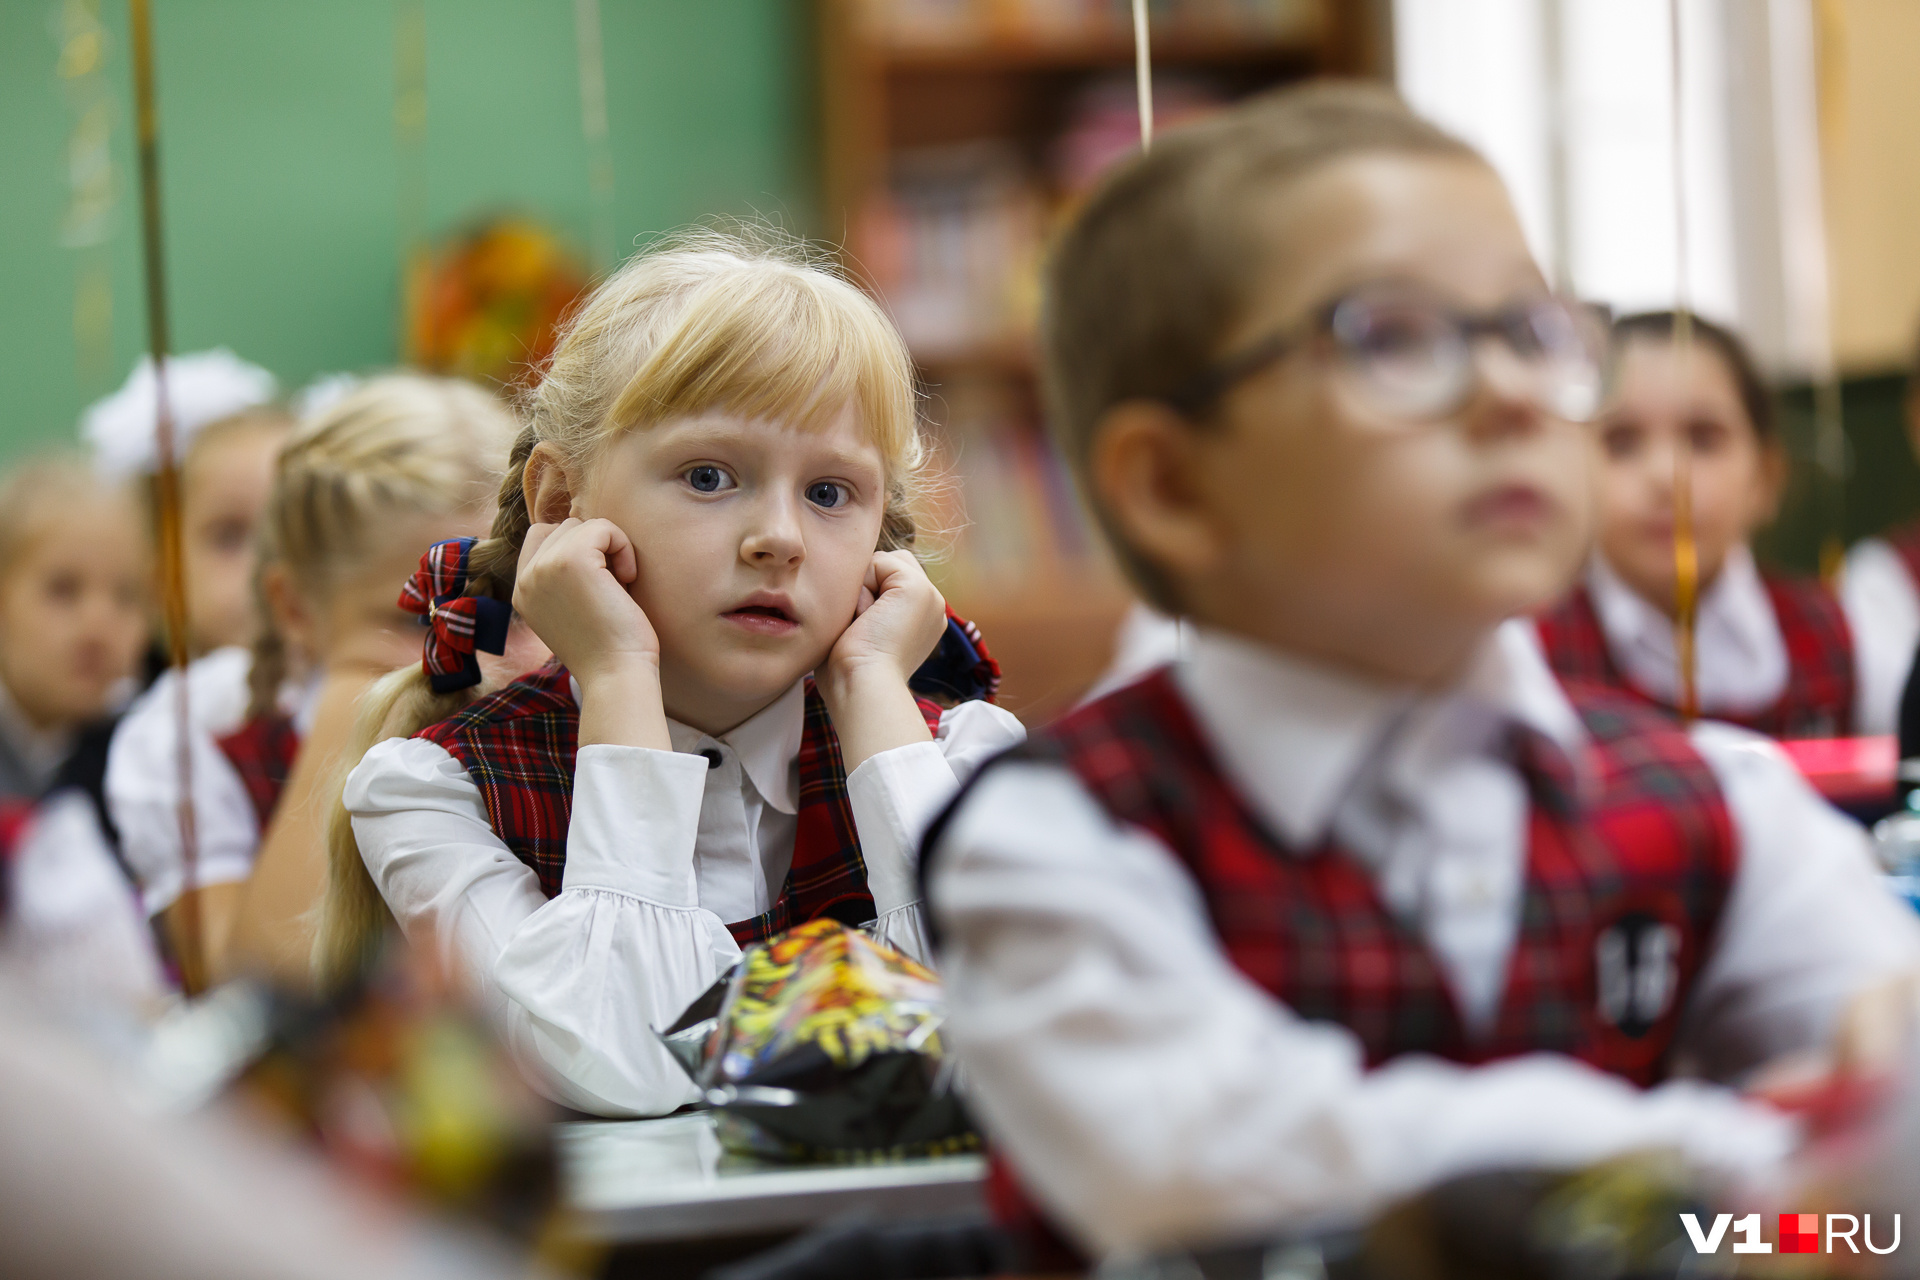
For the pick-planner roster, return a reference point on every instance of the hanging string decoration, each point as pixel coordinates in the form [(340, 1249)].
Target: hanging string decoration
[(173, 576), (1686, 551), (593, 128), (1143, 73), (410, 147), (87, 227)]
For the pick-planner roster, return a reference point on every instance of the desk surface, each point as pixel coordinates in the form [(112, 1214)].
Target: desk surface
[(668, 1179)]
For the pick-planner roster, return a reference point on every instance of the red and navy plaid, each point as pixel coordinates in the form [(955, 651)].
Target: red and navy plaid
[(1646, 845), (1818, 700), (518, 746), (459, 626), (262, 752), (1905, 542)]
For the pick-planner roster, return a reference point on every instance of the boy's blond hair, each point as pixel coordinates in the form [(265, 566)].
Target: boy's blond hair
[(1144, 285), (742, 322), (401, 444)]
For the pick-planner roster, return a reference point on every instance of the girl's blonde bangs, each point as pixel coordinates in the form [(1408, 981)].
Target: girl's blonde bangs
[(785, 344)]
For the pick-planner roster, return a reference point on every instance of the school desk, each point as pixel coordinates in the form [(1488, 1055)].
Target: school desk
[(646, 1181)]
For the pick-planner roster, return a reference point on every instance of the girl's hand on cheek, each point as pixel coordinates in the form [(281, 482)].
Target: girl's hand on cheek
[(573, 588), (898, 622)]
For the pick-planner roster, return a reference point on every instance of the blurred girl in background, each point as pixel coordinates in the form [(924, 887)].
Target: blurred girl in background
[(1773, 653), (73, 613), (355, 496)]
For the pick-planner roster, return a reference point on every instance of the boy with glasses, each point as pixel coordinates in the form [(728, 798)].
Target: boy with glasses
[(1356, 896)]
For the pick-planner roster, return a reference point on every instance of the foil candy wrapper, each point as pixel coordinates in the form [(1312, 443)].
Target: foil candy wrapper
[(823, 1044)]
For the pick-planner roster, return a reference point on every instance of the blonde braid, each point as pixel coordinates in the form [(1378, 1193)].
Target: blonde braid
[(402, 443)]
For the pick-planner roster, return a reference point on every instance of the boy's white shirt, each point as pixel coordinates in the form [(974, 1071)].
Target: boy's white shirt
[(662, 852), (1883, 612), (143, 780), (1149, 1092)]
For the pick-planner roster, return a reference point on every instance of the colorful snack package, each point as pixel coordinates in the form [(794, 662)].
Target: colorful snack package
[(824, 1045)]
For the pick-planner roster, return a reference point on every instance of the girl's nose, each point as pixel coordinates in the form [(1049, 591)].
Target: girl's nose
[(774, 538)]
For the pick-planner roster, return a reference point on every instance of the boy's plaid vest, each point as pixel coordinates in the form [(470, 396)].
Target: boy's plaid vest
[(518, 746), (262, 752), (1623, 892), (1818, 701), (1624, 886)]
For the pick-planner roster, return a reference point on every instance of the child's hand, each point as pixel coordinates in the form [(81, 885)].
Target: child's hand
[(572, 589), (864, 679), (899, 620)]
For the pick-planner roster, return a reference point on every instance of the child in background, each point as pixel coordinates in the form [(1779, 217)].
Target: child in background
[(73, 620), (707, 520), (226, 431), (1881, 592), (1356, 896), (1773, 653), (355, 496)]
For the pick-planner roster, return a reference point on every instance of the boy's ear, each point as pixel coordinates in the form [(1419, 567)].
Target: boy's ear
[(1144, 467), (545, 485)]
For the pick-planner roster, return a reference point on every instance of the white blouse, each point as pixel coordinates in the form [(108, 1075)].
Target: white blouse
[(664, 849), (1742, 667), (143, 781), (1883, 612), (143, 777), (1149, 1092)]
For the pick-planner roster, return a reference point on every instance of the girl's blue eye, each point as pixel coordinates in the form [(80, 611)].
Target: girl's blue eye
[(707, 479), (825, 493)]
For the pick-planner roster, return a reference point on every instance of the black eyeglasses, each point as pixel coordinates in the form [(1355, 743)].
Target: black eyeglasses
[(1410, 358)]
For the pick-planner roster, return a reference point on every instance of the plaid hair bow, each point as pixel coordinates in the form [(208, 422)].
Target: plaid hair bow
[(959, 669), (458, 625)]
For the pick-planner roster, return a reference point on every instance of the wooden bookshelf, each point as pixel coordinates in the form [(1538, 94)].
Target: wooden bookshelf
[(1005, 86)]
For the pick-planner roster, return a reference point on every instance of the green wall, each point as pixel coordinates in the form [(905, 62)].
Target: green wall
[(281, 190), (1883, 482)]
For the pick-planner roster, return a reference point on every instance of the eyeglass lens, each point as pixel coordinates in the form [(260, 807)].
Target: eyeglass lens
[(1414, 359)]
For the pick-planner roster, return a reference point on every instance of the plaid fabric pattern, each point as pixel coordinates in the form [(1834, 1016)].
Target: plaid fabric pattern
[(518, 746), (457, 624), (1626, 878), (1818, 701), (261, 752)]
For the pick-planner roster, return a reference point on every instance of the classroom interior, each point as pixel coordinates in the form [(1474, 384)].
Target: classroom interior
[(363, 186)]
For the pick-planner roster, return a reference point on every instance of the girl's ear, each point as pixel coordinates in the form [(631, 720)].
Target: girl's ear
[(289, 614), (546, 486)]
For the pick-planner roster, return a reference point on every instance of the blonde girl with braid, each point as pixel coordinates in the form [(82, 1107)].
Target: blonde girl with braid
[(758, 699), (355, 495)]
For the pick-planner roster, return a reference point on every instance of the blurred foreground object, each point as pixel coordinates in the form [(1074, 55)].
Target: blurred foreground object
[(397, 1082), (823, 1044), (92, 1186), (486, 306)]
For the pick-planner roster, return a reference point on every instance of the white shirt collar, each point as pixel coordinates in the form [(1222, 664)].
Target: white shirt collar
[(767, 743), (1293, 735), (1742, 663)]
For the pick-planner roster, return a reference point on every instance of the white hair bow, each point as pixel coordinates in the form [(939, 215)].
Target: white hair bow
[(202, 387)]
